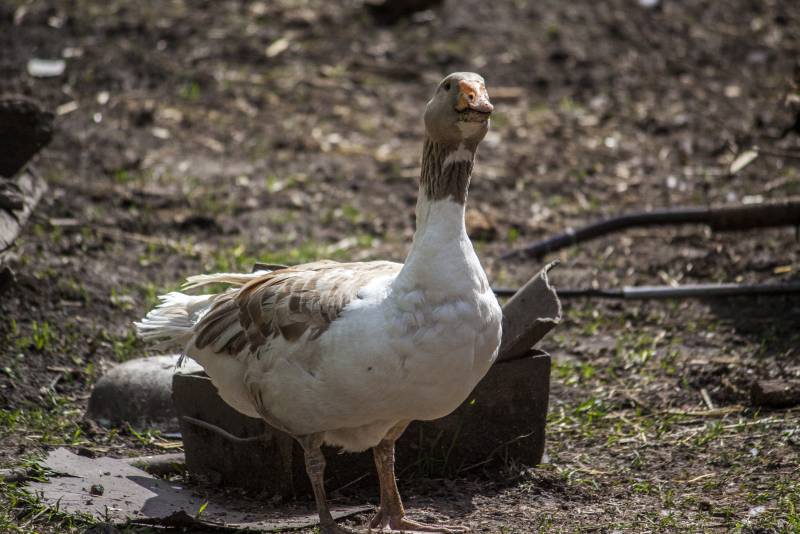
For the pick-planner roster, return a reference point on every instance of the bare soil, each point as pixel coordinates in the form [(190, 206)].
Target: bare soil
[(202, 136)]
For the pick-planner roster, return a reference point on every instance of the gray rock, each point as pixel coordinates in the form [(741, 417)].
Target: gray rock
[(139, 393)]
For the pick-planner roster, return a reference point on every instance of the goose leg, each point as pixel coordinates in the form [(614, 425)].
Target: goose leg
[(315, 468), (391, 512)]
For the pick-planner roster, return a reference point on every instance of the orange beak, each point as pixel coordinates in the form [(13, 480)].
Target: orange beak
[(473, 95)]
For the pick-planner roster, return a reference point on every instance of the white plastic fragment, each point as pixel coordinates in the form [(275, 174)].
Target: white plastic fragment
[(46, 68), (743, 160), (67, 108), (277, 47)]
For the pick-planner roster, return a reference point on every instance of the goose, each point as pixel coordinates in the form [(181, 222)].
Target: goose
[(348, 354)]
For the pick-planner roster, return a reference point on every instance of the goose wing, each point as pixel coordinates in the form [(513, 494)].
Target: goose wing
[(284, 303)]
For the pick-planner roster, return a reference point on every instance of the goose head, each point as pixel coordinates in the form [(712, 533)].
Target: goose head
[(459, 110)]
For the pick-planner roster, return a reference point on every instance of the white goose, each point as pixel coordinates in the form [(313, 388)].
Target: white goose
[(349, 353)]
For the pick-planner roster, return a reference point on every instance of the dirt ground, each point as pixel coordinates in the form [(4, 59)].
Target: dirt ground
[(201, 136)]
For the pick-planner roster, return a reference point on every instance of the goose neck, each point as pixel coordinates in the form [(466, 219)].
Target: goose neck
[(446, 171)]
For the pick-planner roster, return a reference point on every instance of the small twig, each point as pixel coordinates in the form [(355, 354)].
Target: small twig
[(54, 381), (494, 451), (224, 433), (777, 154), (589, 471), (717, 412), (697, 478), (362, 477), (707, 399)]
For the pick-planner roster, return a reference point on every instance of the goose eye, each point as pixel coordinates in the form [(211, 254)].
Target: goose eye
[(447, 86)]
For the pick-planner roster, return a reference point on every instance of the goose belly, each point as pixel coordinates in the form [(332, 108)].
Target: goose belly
[(379, 365), (375, 366)]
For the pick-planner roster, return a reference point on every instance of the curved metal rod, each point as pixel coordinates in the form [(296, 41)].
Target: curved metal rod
[(224, 433), (722, 218)]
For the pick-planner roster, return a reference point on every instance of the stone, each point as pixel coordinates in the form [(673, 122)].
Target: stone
[(775, 393), (139, 392), (132, 496)]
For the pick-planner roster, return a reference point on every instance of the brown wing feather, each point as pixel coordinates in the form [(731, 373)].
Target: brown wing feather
[(286, 303), (222, 316)]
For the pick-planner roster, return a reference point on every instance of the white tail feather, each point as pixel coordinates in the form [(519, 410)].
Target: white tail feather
[(173, 320)]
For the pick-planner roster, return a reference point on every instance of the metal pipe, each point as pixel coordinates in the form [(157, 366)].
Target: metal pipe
[(668, 292)]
